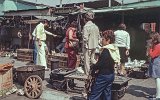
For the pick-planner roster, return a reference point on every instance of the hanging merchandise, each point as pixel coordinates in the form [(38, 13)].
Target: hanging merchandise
[(146, 27), (153, 27)]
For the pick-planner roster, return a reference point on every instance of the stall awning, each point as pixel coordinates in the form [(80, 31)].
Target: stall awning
[(50, 18), (128, 7)]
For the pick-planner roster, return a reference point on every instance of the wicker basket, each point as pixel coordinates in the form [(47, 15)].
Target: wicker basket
[(25, 71)]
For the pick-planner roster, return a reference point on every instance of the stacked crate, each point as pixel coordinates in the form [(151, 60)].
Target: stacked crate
[(49, 57), (62, 57), (25, 54)]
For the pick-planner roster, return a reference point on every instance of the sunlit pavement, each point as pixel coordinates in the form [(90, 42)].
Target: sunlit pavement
[(138, 89)]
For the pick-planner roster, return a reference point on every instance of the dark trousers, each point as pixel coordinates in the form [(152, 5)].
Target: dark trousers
[(72, 58), (34, 52), (102, 87)]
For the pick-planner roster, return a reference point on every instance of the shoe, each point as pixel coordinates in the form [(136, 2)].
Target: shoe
[(79, 69)]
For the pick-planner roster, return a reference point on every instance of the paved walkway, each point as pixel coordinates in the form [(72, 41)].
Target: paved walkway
[(138, 88)]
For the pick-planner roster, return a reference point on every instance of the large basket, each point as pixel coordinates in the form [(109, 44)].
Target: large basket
[(26, 71)]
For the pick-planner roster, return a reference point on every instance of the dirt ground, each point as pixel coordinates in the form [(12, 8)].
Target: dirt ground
[(138, 89)]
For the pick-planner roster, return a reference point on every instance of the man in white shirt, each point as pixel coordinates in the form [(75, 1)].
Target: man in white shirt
[(122, 40), (40, 34), (90, 40)]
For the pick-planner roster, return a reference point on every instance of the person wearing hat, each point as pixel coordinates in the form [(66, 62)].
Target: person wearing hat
[(90, 40), (122, 40)]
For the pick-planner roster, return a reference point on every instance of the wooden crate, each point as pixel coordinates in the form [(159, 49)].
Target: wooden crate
[(63, 64), (25, 54), (49, 57), (6, 81), (62, 57)]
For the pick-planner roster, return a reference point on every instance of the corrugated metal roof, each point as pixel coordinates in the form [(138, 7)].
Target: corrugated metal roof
[(1, 10), (131, 6), (151, 3), (14, 5)]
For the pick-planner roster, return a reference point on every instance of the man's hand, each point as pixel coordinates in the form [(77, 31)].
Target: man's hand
[(54, 35), (77, 40), (39, 43)]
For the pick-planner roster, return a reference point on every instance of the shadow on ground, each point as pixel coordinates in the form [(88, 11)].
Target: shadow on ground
[(140, 91)]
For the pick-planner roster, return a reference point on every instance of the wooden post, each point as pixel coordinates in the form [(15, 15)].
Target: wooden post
[(158, 24), (122, 20), (109, 3), (60, 3)]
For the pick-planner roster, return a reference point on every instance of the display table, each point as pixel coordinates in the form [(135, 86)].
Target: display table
[(137, 71), (78, 76)]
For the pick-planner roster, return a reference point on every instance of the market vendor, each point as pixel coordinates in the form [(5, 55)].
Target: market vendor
[(40, 35), (90, 40)]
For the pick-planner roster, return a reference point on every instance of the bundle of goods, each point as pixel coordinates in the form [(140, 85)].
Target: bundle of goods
[(57, 79), (5, 67), (136, 68), (119, 87), (6, 54)]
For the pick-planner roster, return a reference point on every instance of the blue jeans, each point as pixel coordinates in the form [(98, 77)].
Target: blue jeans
[(34, 52), (60, 47), (102, 87)]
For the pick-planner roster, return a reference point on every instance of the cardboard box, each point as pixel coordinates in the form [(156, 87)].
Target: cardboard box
[(6, 81)]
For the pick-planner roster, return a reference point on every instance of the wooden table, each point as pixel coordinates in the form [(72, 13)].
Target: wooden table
[(78, 76)]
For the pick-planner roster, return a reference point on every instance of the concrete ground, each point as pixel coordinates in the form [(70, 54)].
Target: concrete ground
[(138, 89)]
